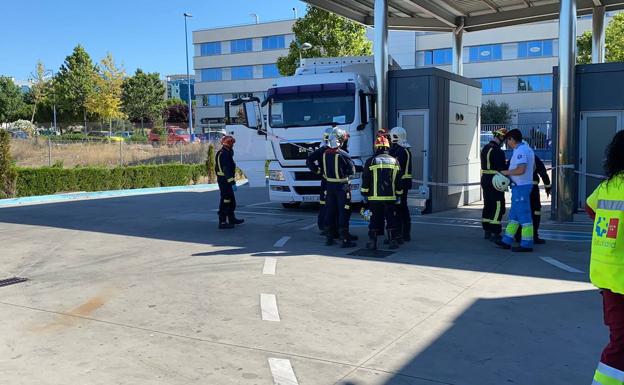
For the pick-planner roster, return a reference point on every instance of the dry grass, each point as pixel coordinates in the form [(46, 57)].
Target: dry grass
[(33, 153)]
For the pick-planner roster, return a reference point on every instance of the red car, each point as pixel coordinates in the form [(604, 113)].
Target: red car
[(174, 136)]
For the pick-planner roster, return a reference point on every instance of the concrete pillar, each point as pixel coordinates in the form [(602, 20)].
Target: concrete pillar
[(565, 108), (381, 61), (598, 35), (458, 50)]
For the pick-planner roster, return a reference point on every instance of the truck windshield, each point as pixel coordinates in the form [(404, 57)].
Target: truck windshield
[(306, 107)]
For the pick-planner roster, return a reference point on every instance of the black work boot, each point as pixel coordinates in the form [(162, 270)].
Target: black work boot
[(407, 237), (233, 220), (538, 241), (329, 237), (372, 240), (225, 225), (346, 241), (353, 237), (394, 240)]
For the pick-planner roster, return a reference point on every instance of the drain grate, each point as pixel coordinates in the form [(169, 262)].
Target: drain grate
[(371, 253), (12, 281)]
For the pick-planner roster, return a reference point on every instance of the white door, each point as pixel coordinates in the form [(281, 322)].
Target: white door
[(416, 123), (597, 130)]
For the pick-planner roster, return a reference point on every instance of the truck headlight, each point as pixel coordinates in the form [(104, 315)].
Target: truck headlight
[(277, 175)]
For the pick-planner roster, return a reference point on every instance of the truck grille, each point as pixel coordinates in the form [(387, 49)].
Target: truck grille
[(294, 151), (306, 176), (308, 190)]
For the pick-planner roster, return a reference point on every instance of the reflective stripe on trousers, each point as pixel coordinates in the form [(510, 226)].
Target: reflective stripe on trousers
[(606, 375)]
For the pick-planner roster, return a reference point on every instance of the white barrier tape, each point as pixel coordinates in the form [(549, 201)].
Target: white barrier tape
[(447, 184)]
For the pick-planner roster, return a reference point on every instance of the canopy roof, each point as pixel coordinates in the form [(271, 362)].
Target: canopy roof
[(447, 15)]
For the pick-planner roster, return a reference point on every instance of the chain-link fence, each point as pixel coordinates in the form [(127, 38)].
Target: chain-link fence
[(537, 135), (44, 151)]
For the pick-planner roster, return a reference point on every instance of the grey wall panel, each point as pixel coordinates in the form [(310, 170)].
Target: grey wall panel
[(412, 93), (601, 91)]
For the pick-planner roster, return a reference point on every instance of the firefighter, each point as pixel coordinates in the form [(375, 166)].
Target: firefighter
[(606, 269), (226, 169), (536, 204), (401, 151), (314, 163), (382, 191), (492, 162), (337, 166)]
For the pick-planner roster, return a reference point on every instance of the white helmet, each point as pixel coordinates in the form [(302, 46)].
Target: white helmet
[(398, 135), (500, 182), (326, 134), (337, 137)]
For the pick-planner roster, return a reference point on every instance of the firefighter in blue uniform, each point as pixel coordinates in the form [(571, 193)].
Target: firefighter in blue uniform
[(314, 163), (337, 166), (382, 190), (492, 162), (536, 204), (401, 151), (226, 171)]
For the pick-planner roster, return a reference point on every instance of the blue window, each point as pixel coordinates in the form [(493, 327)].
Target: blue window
[(428, 58), (535, 83), (240, 45), (535, 48), (273, 42), (491, 86), (212, 48), (211, 74), (547, 83), (270, 71), (242, 72), (442, 56), (212, 100), (490, 52), (474, 54)]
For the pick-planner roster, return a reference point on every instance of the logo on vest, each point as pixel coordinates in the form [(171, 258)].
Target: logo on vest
[(601, 227), (612, 230)]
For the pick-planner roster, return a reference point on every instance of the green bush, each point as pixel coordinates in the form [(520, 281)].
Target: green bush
[(138, 138), (210, 164), (51, 180), (8, 174)]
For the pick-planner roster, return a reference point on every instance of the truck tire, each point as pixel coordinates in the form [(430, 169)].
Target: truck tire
[(291, 205)]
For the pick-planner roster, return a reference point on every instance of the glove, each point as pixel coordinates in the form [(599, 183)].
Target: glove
[(398, 201), (365, 199), (234, 187)]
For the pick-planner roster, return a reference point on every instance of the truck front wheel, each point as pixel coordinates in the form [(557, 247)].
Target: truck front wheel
[(291, 205)]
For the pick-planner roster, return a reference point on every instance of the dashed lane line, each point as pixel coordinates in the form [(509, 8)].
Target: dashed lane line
[(309, 227), (282, 372), (270, 264), (268, 307), (281, 242), (561, 265)]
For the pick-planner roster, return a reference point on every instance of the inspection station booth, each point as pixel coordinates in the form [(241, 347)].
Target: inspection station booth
[(459, 17)]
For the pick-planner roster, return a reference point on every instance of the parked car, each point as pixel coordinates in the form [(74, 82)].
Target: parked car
[(174, 136), (19, 135)]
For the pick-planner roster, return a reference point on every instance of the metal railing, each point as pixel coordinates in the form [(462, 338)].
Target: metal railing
[(537, 135)]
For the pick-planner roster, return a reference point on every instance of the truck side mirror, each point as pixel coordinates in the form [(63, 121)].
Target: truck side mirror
[(253, 114)]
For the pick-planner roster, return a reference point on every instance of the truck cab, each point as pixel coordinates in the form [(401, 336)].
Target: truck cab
[(323, 93)]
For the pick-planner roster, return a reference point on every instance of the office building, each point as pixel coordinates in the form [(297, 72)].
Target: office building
[(235, 61), (177, 87)]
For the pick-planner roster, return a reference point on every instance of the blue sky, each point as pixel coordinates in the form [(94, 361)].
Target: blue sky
[(147, 34)]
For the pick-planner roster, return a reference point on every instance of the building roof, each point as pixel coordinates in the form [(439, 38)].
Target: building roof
[(447, 15)]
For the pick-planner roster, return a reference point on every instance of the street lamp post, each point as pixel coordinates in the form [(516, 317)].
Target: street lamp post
[(303, 47), (188, 76), (51, 74)]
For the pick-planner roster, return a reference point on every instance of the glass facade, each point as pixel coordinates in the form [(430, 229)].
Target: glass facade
[(273, 42), (211, 74), (212, 100), (516, 84), (210, 49), (242, 72), (535, 48), (241, 45), (270, 71), (482, 53), (436, 57)]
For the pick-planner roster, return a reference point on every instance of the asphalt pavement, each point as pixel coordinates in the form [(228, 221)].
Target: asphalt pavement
[(145, 290)]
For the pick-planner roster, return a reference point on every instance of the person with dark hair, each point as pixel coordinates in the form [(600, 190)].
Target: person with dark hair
[(520, 171), (606, 270), (226, 173), (493, 162)]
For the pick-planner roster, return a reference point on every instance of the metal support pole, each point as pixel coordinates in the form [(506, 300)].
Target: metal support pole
[(565, 119), (180, 145), (188, 78), (598, 35), (381, 61), (121, 152), (49, 152), (458, 50)]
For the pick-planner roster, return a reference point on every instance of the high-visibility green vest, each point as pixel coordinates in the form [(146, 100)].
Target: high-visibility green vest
[(606, 269)]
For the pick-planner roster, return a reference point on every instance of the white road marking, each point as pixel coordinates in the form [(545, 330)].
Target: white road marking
[(268, 306), (309, 227), (282, 372), (560, 265), (281, 242), (269, 265), (259, 204)]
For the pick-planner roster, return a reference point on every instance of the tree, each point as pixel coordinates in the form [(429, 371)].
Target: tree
[(330, 35), (494, 113), (176, 113), (8, 175), (143, 97), (106, 99), (174, 101), (75, 83), (11, 100), (614, 42), (40, 88)]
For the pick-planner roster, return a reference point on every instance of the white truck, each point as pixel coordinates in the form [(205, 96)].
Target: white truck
[(289, 124)]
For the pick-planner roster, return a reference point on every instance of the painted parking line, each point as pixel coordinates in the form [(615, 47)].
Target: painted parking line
[(281, 242), (282, 372), (309, 227), (561, 265), (259, 204), (270, 264), (268, 306)]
